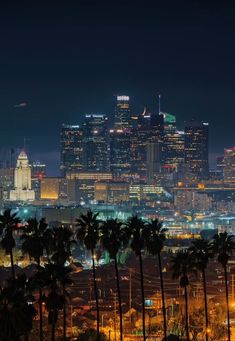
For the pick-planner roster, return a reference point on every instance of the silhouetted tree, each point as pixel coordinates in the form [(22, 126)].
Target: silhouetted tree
[(155, 235), (135, 231), (8, 224), (16, 309), (63, 242), (223, 247), (112, 239), (181, 267), (201, 252), (88, 234), (55, 298), (37, 240)]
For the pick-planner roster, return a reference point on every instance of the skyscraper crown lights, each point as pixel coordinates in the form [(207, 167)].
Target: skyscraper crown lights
[(123, 98)]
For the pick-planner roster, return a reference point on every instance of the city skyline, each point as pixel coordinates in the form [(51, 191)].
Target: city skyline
[(52, 158), (60, 62)]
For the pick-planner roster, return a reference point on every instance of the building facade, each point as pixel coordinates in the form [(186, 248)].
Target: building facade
[(122, 113), (95, 142), (22, 180), (196, 149), (71, 149), (229, 165)]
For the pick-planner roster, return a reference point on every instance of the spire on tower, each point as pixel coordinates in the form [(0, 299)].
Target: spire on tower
[(159, 103)]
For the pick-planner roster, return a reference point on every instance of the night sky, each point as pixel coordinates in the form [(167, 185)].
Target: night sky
[(68, 58)]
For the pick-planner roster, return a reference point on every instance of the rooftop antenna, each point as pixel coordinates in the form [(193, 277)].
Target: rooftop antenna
[(159, 103)]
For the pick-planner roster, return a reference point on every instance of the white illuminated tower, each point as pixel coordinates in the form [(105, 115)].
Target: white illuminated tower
[(22, 180), (122, 113)]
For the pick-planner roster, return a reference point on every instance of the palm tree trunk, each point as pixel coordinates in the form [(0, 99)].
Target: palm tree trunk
[(163, 296), (12, 264), (64, 314), (186, 311), (205, 302), (142, 294), (40, 315), (119, 297), (96, 296), (40, 307), (53, 328), (227, 302)]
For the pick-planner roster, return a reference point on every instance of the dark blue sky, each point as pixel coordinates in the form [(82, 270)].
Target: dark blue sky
[(68, 58)]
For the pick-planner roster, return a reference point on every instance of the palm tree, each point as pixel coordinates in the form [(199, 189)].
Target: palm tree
[(16, 309), (201, 252), (8, 224), (223, 247), (112, 239), (63, 241), (37, 240), (181, 267), (55, 298), (135, 228), (88, 234), (155, 236)]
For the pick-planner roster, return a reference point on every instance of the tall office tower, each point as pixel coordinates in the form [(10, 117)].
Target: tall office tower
[(96, 146), (196, 149), (220, 165), (38, 170), (139, 139), (157, 126), (120, 158), (154, 156), (123, 118), (22, 180), (173, 143), (71, 149), (229, 165)]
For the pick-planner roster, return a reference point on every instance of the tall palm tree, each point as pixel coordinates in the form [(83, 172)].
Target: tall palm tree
[(112, 239), (223, 247), (135, 228), (37, 239), (155, 236), (182, 266), (63, 241), (8, 224), (55, 297), (16, 309), (201, 252), (88, 234)]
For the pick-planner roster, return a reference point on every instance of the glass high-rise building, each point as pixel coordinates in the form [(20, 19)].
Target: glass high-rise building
[(71, 149), (123, 118), (173, 143), (196, 149), (229, 165), (139, 139), (96, 148), (120, 150)]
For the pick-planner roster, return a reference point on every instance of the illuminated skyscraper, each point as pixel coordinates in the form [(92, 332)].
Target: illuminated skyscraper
[(196, 149), (38, 170), (71, 149), (96, 148), (140, 137), (173, 143), (123, 113), (229, 165), (120, 158)]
